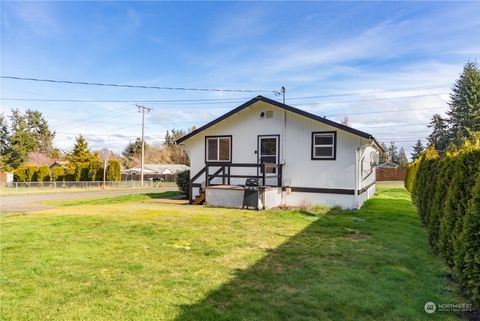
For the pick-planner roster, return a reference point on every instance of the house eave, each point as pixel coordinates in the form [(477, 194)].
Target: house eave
[(285, 107)]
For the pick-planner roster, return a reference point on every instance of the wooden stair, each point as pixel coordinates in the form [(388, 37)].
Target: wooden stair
[(199, 199)]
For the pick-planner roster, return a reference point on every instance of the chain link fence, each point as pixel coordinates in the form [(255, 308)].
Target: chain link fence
[(166, 186)]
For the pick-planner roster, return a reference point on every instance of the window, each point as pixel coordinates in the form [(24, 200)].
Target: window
[(218, 149), (323, 145)]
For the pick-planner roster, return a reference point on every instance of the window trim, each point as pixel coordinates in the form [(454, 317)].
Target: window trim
[(218, 137), (312, 147)]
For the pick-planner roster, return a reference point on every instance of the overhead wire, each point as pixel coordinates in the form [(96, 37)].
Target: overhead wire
[(86, 83)]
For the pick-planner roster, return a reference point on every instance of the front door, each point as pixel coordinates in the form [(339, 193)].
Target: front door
[(268, 152)]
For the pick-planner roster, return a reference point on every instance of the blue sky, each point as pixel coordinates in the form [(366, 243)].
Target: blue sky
[(366, 49)]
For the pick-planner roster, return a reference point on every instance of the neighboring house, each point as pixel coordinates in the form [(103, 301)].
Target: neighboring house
[(387, 165), (166, 172), (61, 163), (299, 158)]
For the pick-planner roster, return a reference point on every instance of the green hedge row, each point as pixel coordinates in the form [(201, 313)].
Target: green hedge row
[(91, 171), (446, 192)]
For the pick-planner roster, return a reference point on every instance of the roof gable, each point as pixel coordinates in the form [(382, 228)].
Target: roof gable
[(280, 105)]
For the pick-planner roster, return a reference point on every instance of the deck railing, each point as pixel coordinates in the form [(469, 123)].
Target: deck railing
[(224, 171)]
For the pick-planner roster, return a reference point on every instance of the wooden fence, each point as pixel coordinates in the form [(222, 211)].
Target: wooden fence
[(391, 174)]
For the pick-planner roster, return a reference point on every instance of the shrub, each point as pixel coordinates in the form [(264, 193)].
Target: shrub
[(70, 173), (58, 174), (31, 173), (423, 187), (183, 182), (470, 245), (445, 170), (446, 192), (43, 174), (94, 167), (20, 174), (114, 170)]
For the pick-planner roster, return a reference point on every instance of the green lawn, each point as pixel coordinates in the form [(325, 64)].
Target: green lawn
[(138, 260)]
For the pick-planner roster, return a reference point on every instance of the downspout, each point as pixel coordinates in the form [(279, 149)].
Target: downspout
[(357, 175)]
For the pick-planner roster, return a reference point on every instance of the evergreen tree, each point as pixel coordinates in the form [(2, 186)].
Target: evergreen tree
[(41, 133), (439, 136), (464, 111), (132, 152), (418, 149), (21, 142), (114, 170), (81, 153), (393, 153), (4, 143), (402, 157), (29, 132)]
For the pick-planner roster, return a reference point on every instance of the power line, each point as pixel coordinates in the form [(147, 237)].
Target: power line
[(210, 101), (85, 83)]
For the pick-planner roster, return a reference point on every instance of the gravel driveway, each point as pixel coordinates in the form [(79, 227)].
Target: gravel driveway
[(26, 203)]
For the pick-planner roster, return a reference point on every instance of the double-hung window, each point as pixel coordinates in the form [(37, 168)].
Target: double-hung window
[(218, 149), (324, 145)]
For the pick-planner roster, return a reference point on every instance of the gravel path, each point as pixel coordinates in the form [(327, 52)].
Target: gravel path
[(26, 203)]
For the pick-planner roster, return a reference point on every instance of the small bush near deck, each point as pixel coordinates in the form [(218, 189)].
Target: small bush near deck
[(183, 181)]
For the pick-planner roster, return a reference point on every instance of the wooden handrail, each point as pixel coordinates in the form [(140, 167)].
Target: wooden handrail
[(222, 169)]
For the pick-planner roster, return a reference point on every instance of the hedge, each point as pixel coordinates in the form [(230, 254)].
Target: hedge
[(58, 174), (446, 192), (43, 174), (114, 170)]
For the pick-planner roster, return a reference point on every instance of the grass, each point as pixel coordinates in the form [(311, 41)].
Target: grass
[(136, 260), (114, 199), (75, 189)]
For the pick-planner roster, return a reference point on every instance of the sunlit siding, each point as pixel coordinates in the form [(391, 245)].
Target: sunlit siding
[(244, 129), (301, 171)]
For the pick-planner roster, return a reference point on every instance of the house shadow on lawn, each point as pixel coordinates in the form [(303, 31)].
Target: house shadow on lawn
[(323, 274)]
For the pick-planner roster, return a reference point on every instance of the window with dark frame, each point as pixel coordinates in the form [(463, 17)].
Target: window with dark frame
[(323, 145), (218, 149)]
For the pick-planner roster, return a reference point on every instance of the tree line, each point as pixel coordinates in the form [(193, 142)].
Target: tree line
[(27, 148), (81, 165), (463, 115)]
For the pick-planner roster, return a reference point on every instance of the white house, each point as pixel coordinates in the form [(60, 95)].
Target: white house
[(299, 158)]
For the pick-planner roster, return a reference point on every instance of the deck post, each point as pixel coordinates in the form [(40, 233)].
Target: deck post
[(223, 175), (279, 181), (264, 178), (206, 177), (228, 178)]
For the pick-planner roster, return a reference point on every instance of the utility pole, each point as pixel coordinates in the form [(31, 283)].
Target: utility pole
[(283, 90), (142, 109)]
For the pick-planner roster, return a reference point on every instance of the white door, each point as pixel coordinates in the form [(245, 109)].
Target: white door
[(268, 152)]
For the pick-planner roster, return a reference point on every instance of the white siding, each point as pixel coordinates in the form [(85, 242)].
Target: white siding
[(299, 170)]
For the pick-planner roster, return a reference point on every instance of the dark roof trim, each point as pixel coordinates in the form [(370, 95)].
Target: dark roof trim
[(283, 106)]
